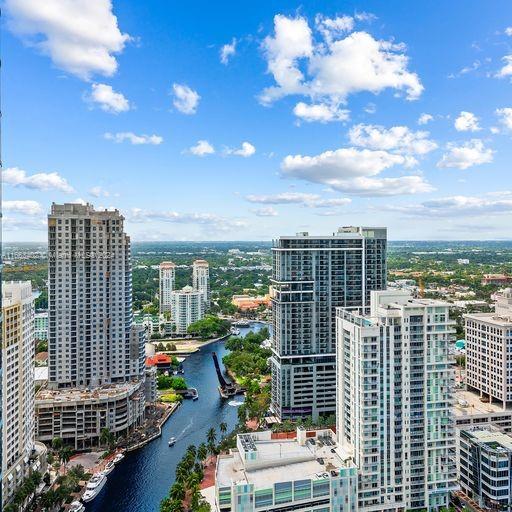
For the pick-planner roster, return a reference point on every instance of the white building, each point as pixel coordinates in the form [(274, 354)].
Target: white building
[(307, 473), (394, 397), (201, 280), (167, 279), (187, 308), (489, 351), (17, 384), (41, 325)]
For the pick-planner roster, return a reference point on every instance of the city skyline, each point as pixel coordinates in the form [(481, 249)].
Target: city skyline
[(206, 125)]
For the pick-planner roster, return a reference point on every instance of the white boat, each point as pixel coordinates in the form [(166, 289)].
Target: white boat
[(172, 441), (118, 458), (94, 487), (109, 467), (76, 506), (234, 331)]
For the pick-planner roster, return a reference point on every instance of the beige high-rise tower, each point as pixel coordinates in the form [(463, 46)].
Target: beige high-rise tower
[(201, 280), (167, 279)]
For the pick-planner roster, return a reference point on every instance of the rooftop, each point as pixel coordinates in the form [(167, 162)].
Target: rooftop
[(107, 391), (492, 437), (468, 403)]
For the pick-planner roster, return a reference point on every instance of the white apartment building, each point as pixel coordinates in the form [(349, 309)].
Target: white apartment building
[(167, 278), (489, 351), (394, 385), (308, 473), (17, 384), (201, 281), (41, 326), (186, 308)]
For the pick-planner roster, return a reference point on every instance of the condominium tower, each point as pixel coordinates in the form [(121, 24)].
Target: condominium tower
[(187, 308), (167, 280), (394, 390), (201, 281), (489, 351), (17, 384), (312, 276)]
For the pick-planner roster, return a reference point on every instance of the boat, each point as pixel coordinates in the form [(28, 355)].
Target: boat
[(172, 441), (109, 467), (94, 486), (118, 458), (76, 506), (234, 331)]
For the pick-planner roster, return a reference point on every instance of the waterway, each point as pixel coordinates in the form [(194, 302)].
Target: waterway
[(144, 477)]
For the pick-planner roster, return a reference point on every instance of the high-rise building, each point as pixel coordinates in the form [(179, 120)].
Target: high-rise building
[(488, 351), (17, 384), (91, 339), (96, 353), (41, 325), (167, 280), (312, 276), (201, 280), (187, 308), (395, 387)]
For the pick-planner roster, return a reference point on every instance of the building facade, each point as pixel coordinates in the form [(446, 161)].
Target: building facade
[(41, 325), (312, 276), (394, 402), (489, 351), (306, 473), (167, 278), (201, 281), (91, 339), (17, 384), (187, 308)]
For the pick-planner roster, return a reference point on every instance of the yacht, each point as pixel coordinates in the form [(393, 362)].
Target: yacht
[(172, 441), (235, 331), (94, 486), (118, 458), (109, 467), (76, 506)]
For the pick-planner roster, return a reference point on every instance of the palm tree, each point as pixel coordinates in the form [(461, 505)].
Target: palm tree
[(181, 472), (223, 428), (106, 437), (65, 454), (177, 491), (57, 443), (202, 452), (192, 481), (211, 436), (192, 451)]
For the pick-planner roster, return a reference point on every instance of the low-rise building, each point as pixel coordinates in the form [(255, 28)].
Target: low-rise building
[(41, 325), (306, 473), (485, 466), (498, 279), (249, 303)]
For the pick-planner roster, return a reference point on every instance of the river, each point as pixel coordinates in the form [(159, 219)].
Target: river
[(144, 477)]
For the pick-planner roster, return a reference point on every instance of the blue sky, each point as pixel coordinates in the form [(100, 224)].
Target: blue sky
[(200, 121)]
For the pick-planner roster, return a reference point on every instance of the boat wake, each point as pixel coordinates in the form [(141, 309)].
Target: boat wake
[(235, 403)]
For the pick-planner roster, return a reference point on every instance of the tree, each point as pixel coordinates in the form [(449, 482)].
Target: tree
[(211, 436), (107, 438), (57, 443), (223, 428), (192, 451), (202, 452), (177, 492), (65, 454)]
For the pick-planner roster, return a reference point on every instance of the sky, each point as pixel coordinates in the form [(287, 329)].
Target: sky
[(203, 121)]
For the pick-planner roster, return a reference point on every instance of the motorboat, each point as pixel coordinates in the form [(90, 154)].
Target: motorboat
[(109, 467), (94, 486), (77, 506), (172, 441), (118, 458), (235, 331)]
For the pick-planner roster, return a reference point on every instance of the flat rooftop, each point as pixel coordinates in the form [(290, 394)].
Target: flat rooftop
[(491, 436), (474, 405), (503, 320), (78, 394), (280, 460)]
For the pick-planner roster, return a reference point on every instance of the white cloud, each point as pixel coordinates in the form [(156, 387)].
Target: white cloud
[(505, 117), (467, 155), (267, 211), (40, 181), (99, 191), (301, 198), (467, 122), (328, 72), (186, 100), (370, 108), (202, 148), (107, 99), (25, 207), (321, 112), (425, 118), (332, 28), (365, 16), (246, 150), (227, 51), (133, 138), (397, 138), (23, 223), (506, 70), (508, 31), (353, 171), (80, 36)]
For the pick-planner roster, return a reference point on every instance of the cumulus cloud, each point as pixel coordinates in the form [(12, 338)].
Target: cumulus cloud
[(467, 122), (425, 118), (107, 99), (99, 191), (227, 51), (202, 148), (23, 223), (81, 37), (21, 206), (505, 117), (133, 138), (186, 100), (508, 31), (246, 150), (466, 155), (320, 112), (40, 181), (301, 198), (267, 211), (399, 139), (354, 171), (506, 70), (339, 65)]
